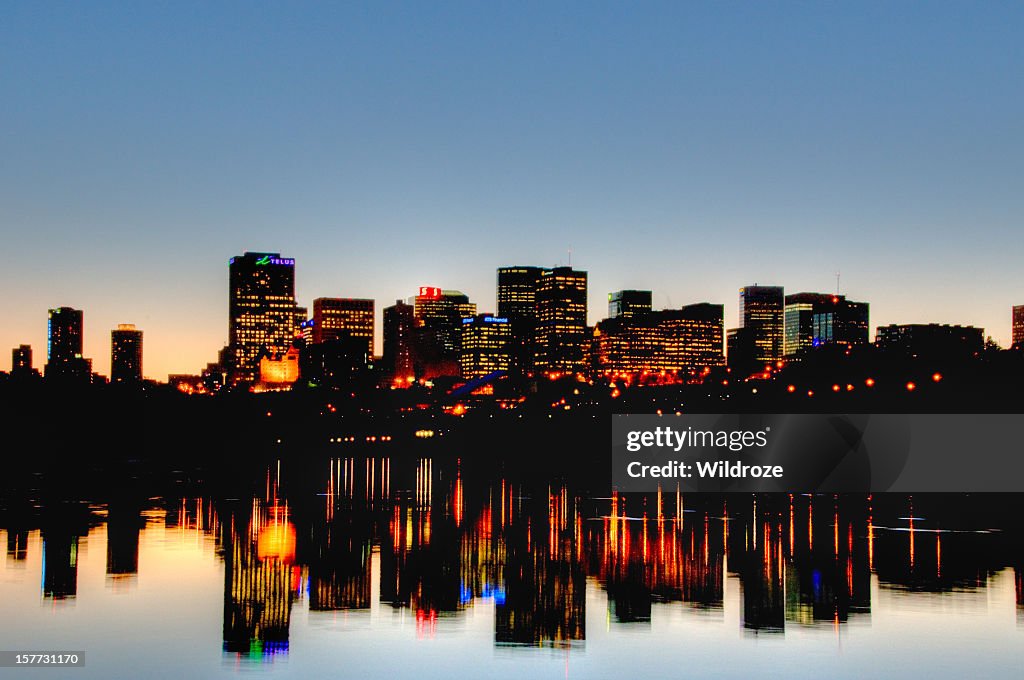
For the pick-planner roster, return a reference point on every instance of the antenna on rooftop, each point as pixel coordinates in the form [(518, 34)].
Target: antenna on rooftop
[(837, 283)]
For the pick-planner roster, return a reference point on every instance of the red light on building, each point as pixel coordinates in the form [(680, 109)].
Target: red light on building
[(937, 377), (430, 292), (791, 389), (911, 387), (870, 382)]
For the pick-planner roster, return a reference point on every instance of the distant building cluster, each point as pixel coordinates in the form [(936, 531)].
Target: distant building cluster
[(539, 329)]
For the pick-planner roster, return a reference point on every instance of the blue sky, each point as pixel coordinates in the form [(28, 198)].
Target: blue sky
[(689, 148)]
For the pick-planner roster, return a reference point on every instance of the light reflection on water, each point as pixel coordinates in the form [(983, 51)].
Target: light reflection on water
[(416, 571)]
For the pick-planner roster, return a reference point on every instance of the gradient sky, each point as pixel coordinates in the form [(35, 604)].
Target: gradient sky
[(688, 148)]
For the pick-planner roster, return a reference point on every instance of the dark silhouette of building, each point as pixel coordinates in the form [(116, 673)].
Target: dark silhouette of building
[(399, 360), (21, 362), (126, 354), (762, 309), (628, 303), (343, 317), (334, 362), (64, 360), (439, 314), (262, 312), (930, 340)]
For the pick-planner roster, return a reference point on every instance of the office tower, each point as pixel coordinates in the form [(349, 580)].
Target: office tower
[(439, 314), (125, 354), (561, 335), (684, 341), (517, 302), (399, 358), (930, 340), (816, 319), (486, 345), (64, 359), (628, 303), (21, 361), (262, 314), (335, 318), (762, 309), (1018, 326)]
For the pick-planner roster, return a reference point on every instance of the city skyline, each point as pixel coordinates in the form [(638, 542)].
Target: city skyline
[(688, 150), (299, 324)]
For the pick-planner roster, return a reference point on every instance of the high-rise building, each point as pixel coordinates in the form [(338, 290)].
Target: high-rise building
[(517, 302), (21, 361), (335, 318), (561, 335), (816, 319), (399, 358), (439, 314), (64, 346), (486, 345), (762, 309), (1018, 326), (125, 354), (683, 341), (628, 303), (930, 340), (263, 316)]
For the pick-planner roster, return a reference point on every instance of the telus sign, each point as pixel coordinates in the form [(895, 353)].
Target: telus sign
[(267, 259)]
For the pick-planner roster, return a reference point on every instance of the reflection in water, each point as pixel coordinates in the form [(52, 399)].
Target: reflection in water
[(432, 539), (260, 580)]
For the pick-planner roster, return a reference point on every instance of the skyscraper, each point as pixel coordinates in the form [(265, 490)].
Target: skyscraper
[(561, 335), (517, 302), (125, 354), (762, 309), (486, 341), (337, 318), (817, 319), (1018, 326), (262, 314), (439, 314), (64, 346), (399, 345), (628, 303)]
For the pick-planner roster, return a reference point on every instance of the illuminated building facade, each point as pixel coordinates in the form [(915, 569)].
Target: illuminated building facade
[(64, 346), (517, 302), (816, 319), (262, 314), (439, 314), (1018, 326), (561, 335), (334, 318), (930, 340), (687, 341), (399, 342), (126, 354), (628, 303), (762, 309), (486, 345), (279, 369)]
